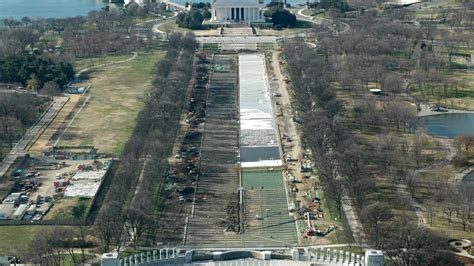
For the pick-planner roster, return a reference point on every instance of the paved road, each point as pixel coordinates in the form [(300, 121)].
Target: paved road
[(21, 147), (319, 20), (177, 6), (155, 29)]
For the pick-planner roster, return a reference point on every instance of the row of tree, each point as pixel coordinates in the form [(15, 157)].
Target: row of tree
[(18, 111), (99, 33), (345, 162), (194, 18), (34, 70), (280, 16), (379, 50), (121, 219), (107, 19), (341, 160)]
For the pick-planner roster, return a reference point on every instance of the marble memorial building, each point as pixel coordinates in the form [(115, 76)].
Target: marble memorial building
[(237, 11)]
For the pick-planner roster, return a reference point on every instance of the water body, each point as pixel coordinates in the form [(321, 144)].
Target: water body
[(48, 8), (449, 125), (469, 179), (262, 153)]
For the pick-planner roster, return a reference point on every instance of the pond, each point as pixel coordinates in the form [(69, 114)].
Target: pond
[(469, 179), (449, 125)]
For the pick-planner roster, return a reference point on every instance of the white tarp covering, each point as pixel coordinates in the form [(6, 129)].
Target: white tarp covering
[(259, 145), (87, 190), (90, 175)]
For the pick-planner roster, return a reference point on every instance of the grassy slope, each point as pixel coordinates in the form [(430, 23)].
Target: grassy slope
[(17, 238), (111, 112), (109, 117), (88, 62)]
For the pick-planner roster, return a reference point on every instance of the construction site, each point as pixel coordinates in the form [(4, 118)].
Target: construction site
[(236, 180), (45, 181)]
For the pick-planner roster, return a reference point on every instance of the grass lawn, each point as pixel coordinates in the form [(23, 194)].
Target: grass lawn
[(265, 46), (314, 12), (441, 225), (171, 26), (66, 259), (116, 98), (82, 63), (464, 97), (263, 178), (210, 46), (460, 98), (308, 12), (16, 239), (62, 209), (301, 27)]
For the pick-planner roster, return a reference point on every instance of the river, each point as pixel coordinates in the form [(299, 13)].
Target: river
[(48, 8), (64, 8)]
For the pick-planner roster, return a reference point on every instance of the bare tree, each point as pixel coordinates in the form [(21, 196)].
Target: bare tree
[(109, 225), (375, 218), (465, 204), (409, 244), (419, 143)]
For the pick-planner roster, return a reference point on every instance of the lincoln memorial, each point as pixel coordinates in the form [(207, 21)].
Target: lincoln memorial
[(237, 11)]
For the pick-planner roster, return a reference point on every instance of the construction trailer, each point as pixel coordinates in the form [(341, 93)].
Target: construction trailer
[(20, 212), (6, 209)]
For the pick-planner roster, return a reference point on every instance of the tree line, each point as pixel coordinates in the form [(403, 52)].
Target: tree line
[(383, 54), (120, 219), (18, 111), (194, 18), (99, 33), (128, 216), (34, 70)]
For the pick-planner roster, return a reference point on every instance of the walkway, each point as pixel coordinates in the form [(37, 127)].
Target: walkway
[(163, 34), (425, 111), (21, 147), (78, 74), (320, 20)]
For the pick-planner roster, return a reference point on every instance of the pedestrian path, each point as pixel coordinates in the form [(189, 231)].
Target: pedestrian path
[(20, 148)]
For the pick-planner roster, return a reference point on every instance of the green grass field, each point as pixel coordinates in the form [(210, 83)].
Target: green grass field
[(171, 26), (301, 26), (117, 94), (458, 96), (63, 208), (16, 239), (265, 179), (82, 63), (210, 46)]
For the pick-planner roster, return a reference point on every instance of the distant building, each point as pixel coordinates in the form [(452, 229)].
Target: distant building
[(140, 2), (237, 11)]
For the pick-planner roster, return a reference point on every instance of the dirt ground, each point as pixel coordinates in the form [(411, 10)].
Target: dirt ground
[(284, 117), (50, 134), (48, 177)]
